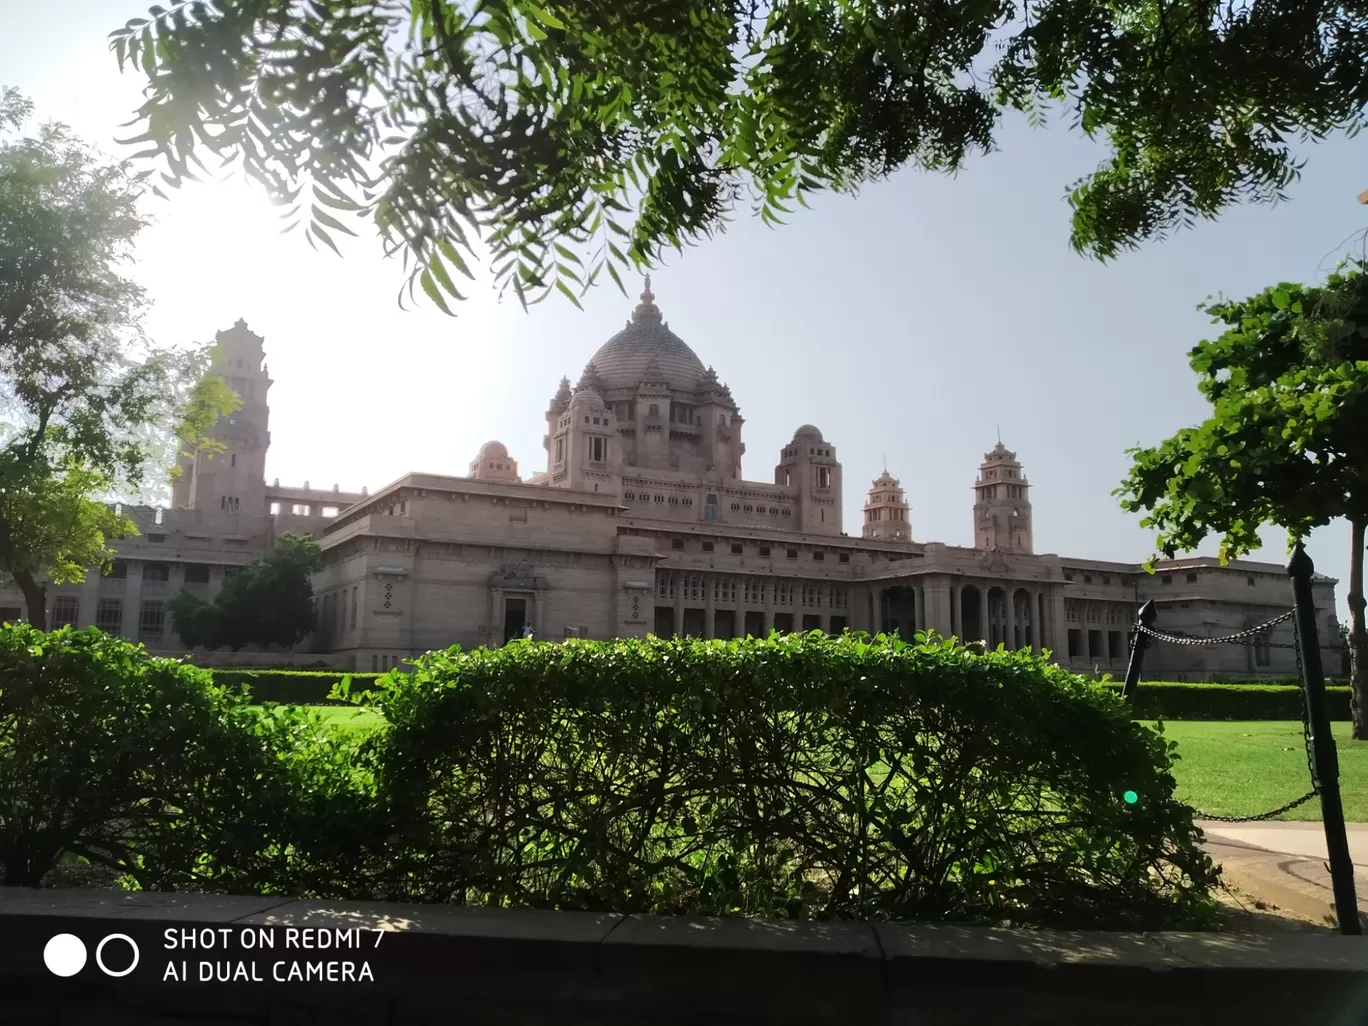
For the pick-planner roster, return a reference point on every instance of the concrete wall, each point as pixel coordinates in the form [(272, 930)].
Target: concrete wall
[(439, 964)]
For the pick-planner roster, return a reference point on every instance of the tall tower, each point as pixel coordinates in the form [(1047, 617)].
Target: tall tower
[(887, 516), (1002, 507), (809, 467), (233, 481)]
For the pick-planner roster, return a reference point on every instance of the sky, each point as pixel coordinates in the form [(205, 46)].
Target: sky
[(911, 323)]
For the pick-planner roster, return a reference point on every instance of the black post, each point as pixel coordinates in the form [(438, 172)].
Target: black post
[(1323, 743), (1148, 614)]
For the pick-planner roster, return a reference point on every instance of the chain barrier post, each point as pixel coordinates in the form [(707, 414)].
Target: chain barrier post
[(1144, 621), (1300, 569)]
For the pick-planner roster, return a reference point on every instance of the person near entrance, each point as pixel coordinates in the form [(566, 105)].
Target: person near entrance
[(528, 632)]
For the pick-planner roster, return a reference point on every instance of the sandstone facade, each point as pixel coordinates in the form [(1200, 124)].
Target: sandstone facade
[(641, 522)]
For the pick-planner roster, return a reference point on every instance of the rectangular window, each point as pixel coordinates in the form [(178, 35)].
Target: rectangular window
[(65, 611), (1166, 579), (1113, 644), (845, 557), (1250, 581), (736, 550), (275, 509), (1075, 642), (823, 477), (196, 573), (156, 572), (707, 546), (109, 615), (152, 622), (676, 543), (560, 449), (156, 539), (764, 551), (1192, 578), (118, 570), (792, 553), (819, 556), (598, 449), (232, 460)]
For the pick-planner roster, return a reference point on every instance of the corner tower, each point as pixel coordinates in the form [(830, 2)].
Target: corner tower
[(1002, 507), (233, 481), (808, 466), (887, 516)]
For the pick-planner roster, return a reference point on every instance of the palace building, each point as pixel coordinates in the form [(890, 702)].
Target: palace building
[(642, 522)]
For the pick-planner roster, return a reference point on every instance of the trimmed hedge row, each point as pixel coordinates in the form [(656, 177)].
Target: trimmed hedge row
[(1166, 700), (802, 777), (293, 687), (1154, 700)]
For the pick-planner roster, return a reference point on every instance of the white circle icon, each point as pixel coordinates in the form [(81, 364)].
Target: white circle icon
[(64, 954), (99, 955)]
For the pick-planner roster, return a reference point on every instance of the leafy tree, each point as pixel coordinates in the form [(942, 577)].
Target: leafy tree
[(1286, 442), (87, 407), (269, 602), (539, 127)]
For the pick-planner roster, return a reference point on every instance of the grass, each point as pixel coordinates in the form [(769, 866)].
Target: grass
[(1243, 768), (1238, 768)]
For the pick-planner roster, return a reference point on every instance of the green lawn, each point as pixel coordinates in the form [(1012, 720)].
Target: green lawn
[(1226, 769), (1244, 768)]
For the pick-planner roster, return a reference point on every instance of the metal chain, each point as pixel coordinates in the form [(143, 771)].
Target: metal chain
[(1243, 639), (1248, 637)]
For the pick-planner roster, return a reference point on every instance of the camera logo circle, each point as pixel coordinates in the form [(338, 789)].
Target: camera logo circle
[(64, 954), (99, 955)]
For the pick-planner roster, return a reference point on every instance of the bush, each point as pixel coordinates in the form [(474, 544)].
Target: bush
[(140, 765), (801, 776), (1178, 701), (293, 687)]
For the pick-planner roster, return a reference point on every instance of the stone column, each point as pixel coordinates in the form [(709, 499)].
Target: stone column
[(709, 606), (922, 614), (132, 601), (677, 581), (496, 616), (90, 598), (985, 628), (768, 584), (955, 627), (1059, 626), (1036, 615), (1010, 627)]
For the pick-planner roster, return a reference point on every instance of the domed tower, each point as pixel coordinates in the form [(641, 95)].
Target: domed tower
[(808, 466), (555, 413), (669, 413), (887, 516), (1002, 507), (494, 464), (586, 439), (234, 480)]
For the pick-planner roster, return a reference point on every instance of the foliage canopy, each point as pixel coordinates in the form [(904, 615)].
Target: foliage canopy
[(576, 136), (1286, 442), (87, 406), (269, 602)]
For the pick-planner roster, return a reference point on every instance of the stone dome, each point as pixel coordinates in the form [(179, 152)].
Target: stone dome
[(626, 359), (808, 432), (494, 450)]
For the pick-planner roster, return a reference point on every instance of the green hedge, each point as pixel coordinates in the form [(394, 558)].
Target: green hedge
[(1154, 700), (801, 777), (1166, 700), (293, 687)]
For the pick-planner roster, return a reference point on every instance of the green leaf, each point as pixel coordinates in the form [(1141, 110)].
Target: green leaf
[(433, 292)]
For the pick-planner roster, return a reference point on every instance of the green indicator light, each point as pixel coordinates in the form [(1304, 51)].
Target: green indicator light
[(1130, 797)]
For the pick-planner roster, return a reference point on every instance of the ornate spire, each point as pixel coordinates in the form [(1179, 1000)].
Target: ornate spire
[(646, 312)]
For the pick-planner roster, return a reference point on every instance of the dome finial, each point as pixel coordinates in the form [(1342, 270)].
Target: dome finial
[(646, 310)]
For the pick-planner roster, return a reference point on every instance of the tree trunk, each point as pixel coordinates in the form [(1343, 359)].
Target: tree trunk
[(35, 597), (1358, 638)]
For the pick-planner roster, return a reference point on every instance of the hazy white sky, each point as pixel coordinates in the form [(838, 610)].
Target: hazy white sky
[(908, 323)]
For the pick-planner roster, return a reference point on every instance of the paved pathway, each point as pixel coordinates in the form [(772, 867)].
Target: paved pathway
[(1284, 864)]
